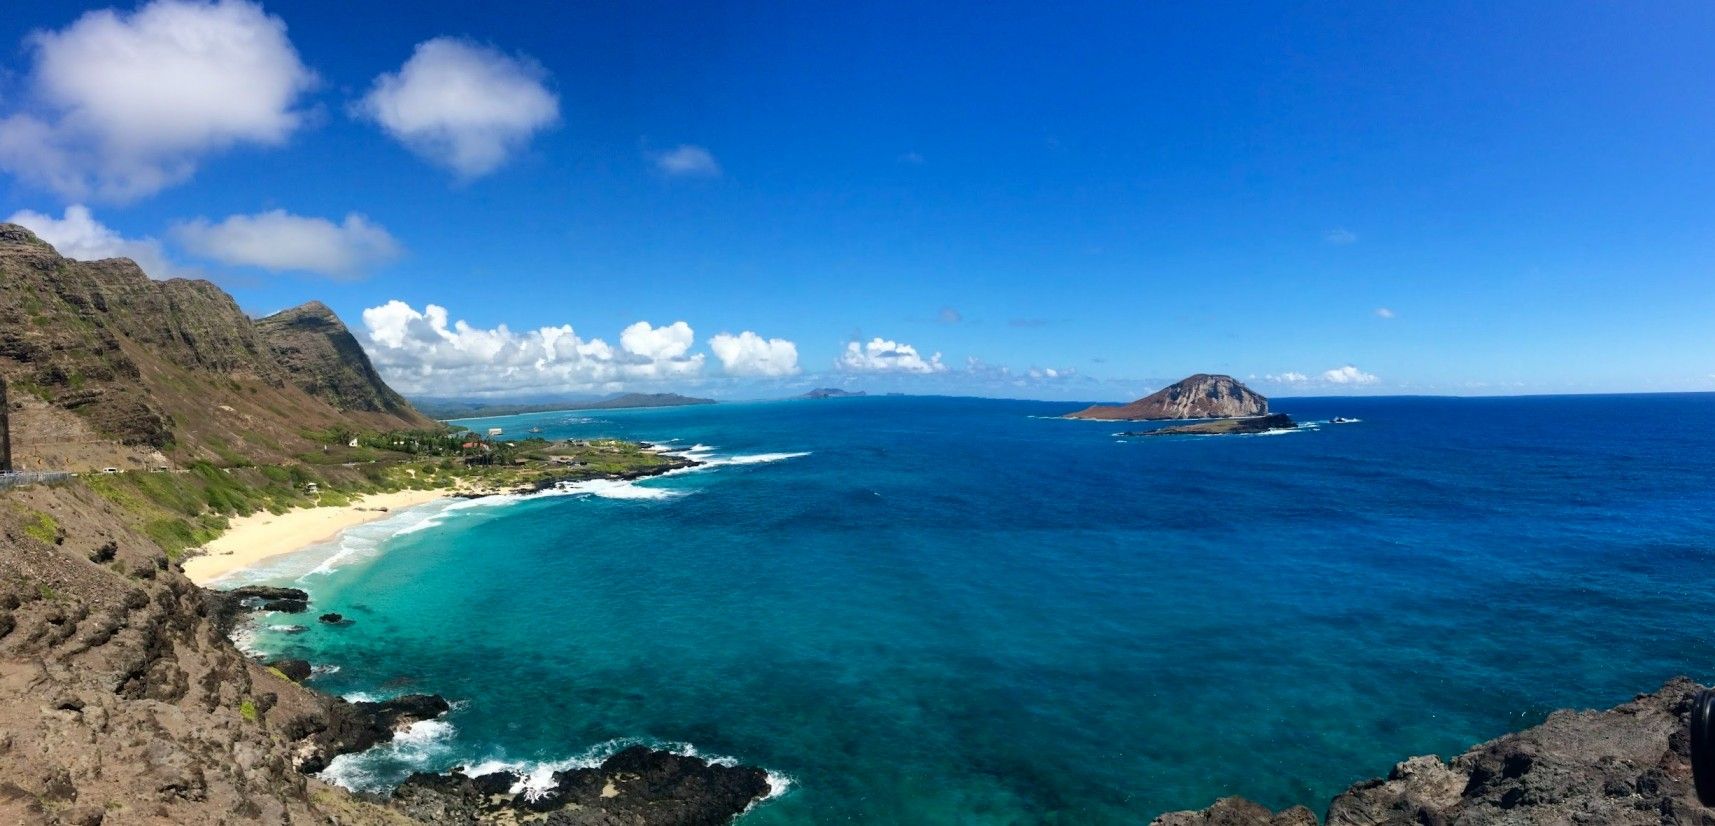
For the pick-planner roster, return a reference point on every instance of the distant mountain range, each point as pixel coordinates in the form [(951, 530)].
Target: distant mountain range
[(466, 409)]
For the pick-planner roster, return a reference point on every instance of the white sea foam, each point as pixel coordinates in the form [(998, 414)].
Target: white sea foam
[(422, 747), (244, 637), (536, 778)]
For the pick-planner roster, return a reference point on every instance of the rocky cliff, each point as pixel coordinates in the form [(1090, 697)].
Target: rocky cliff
[(121, 701), (323, 358), (1628, 765), (1202, 396), (96, 350)]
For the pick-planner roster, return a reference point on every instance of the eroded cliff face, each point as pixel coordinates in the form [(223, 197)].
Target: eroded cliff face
[(121, 700), (1627, 765), (1202, 396), (171, 366), (322, 357)]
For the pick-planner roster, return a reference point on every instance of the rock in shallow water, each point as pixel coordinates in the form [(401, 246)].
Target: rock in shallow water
[(635, 786)]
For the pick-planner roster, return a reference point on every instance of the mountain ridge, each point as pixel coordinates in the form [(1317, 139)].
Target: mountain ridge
[(170, 372)]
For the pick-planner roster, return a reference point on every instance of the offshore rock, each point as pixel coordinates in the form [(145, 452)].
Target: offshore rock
[(1202, 396), (635, 786), (1223, 427), (1628, 765)]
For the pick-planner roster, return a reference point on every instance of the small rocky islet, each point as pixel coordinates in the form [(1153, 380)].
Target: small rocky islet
[(1222, 405)]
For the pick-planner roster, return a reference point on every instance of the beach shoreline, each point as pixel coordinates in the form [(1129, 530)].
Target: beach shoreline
[(258, 537)]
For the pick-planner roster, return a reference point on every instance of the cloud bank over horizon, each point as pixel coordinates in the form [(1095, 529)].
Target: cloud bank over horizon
[(427, 353)]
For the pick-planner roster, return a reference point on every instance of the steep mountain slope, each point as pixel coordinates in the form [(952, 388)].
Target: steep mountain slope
[(169, 366), (1202, 396), (324, 359)]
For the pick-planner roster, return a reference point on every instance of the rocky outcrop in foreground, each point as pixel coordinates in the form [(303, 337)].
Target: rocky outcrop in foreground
[(1202, 396), (122, 700), (636, 785), (1628, 765)]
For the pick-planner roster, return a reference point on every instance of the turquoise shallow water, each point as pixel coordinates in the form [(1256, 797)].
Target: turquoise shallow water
[(955, 611)]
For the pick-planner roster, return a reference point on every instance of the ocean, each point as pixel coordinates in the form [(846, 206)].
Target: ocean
[(938, 610)]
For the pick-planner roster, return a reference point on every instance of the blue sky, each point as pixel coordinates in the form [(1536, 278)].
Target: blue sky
[(1076, 201)]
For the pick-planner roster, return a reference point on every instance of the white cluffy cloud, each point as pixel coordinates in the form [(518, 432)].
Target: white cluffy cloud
[(1288, 377), (121, 105), (1349, 375), (1384, 312), (462, 105), (278, 240), (78, 235), (748, 354), (883, 356), (688, 161), (422, 353)]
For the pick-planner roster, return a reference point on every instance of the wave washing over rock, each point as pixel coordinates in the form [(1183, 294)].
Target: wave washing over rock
[(1628, 765)]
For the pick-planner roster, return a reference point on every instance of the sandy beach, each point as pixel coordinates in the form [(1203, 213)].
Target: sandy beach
[(259, 536)]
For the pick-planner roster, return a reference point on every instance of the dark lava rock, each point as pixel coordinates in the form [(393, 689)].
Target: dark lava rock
[(105, 552), (635, 786), (295, 670), (332, 618), (1629, 765), (346, 728), (269, 592), (1222, 427), (224, 607)]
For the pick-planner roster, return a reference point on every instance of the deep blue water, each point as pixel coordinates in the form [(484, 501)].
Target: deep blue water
[(953, 611)]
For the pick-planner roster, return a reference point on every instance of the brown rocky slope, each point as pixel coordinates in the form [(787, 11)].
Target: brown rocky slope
[(1627, 765), (173, 367), (1202, 396)]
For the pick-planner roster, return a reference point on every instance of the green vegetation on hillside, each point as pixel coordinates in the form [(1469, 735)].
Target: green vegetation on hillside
[(186, 509)]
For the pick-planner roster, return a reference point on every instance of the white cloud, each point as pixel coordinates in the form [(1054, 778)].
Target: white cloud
[(687, 161), (422, 353), (748, 354), (1349, 375), (1384, 312), (278, 240), (121, 105), (462, 105), (1340, 236), (883, 356), (669, 342), (78, 235), (1288, 377)]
